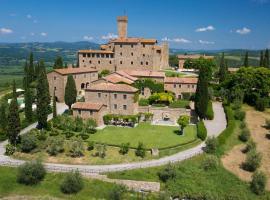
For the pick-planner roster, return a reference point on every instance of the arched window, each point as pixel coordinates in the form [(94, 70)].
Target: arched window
[(87, 85), (82, 86)]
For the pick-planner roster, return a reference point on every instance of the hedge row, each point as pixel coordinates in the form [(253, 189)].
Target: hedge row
[(109, 117)]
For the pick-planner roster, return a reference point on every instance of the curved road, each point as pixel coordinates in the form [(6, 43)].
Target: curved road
[(214, 128)]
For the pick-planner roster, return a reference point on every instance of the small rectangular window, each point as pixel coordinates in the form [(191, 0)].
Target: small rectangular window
[(54, 77), (115, 106), (174, 85), (91, 112), (124, 107), (115, 96), (125, 96), (99, 95), (180, 85), (79, 112)]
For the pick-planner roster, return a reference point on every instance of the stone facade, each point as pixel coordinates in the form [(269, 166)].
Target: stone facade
[(182, 59), (180, 85), (126, 53), (58, 78)]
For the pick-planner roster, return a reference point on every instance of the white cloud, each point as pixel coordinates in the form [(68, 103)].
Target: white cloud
[(176, 40), (6, 31), (29, 16), (43, 34), (88, 37), (243, 31), (203, 29), (206, 42), (109, 36)]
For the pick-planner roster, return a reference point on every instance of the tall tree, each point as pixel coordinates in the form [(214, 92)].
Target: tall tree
[(58, 63), (70, 91), (246, 60), (31, 68), (266, 59), (43, 97), (13, 125), (201, 96), (3, 116), (28, 111), (26, 78), (222, 69), (54, 106), (261, 59)]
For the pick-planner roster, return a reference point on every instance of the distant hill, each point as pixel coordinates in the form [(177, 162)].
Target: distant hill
[(15, 53)]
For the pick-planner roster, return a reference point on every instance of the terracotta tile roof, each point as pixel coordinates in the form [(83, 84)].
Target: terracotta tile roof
[(94, 51), (194, 56), (181, 80), (77, 70), (112, 87), (116, 78), (87, 106), (126, 75), (133, 40), (145, 73)]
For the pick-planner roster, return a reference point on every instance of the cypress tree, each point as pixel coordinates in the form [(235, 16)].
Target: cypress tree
[(70, 91), (266, 59), (26, 78), (201, 95), (31, 68), (13, 125), (58, 63), (54, 106), (246, 60), (3, 117), (261, 59), (28, 104), (43, 97), (222, 69)]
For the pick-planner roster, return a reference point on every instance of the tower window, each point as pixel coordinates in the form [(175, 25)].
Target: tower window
[(132, 62), (121, 62), (141, 63), (99, 62), (131, 53)]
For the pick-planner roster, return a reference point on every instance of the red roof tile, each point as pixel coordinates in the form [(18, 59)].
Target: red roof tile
[(181, 80), (78, 70), (145, 73), (112, 87)]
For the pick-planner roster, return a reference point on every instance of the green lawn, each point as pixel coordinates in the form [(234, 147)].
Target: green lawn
[(152, 136), (49, 188)]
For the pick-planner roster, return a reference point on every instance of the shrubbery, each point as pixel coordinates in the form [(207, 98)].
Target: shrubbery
[(140, 151), (167, 173), (131, 118), (251, 145), (253, 161), (143, 102), (261, 103), (76, 148), (31, 173), (179, 104), (90, 126), (244, 135), (211, 145), (10, 149), (90, 145), (209, 112), (267, 123), (201, 130), (124, 148), (101, 150), (55, 145), (116, 193), (210, 162), (72, 183), (258, 183), (28, 143), (240, 115)]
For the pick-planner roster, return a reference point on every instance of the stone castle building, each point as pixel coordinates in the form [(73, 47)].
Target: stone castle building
[(182, 59), (126, 53)]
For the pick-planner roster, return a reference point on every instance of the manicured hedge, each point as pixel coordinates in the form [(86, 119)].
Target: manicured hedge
[(201, 130), (179, 104), (143, 102), (209, 111)]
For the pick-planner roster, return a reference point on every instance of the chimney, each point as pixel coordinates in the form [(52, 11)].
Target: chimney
[(122, 26)]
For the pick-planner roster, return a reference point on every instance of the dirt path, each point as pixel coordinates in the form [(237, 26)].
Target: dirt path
[(233, 159)]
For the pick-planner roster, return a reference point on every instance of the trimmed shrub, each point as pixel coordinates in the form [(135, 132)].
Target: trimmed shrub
[(55, 145), (244, 135), (143, 102), (180, 104), (251, 145), (209, 112), (140, 151), (28, 143), (201, 130), (167, 173), (10, 149), (267, 123), (240, 115), (253, 161), (243, 125), (84, 136), (187, 95), (42, 136), (54, 132), (258, 183), (90, 126), (210, 162), (101, 150), (211, 145), (68, 134), (124, 148), (72, 183), (78, 124), (31, 173), (90, 145), (236, 105), (116, 193), (76, 148), (261, 103)]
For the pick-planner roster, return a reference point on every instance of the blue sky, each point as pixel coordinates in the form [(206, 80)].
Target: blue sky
[(191, 24)]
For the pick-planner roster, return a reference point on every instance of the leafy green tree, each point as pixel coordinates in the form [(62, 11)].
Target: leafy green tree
[(28, 104), (70, 91), (261, 59), (266, 59), (73, 183), (246, 60), (173, 61), (54, 106), (223, 70), (58, 63), (43, 97), (183, 121), (13, 126), (3, 116)]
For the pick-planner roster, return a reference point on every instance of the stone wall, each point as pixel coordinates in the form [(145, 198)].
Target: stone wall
[(178, 88)]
